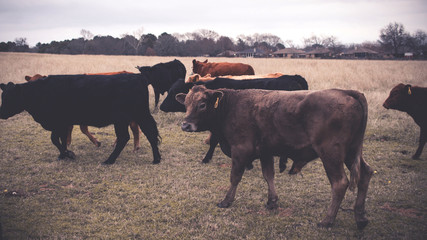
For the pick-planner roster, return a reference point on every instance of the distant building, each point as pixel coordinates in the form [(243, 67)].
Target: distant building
[(319, 53), (227, 53), (252, 52), (290, 53), (360, 53)]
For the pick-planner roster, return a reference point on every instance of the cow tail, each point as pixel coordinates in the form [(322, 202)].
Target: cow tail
[(357, 143)]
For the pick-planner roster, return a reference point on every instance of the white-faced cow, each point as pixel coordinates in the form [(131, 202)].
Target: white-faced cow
[(302, 125), (162, 75), (59, 101), (413, 101)]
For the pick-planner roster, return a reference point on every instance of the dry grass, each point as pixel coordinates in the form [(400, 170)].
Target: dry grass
[(133, 199)]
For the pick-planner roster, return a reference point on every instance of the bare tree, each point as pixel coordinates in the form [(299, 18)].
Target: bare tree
[(86, 34), (393, 37), (135, 39)]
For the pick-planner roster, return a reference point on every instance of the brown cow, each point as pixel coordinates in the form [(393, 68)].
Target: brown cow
[(221, 68), (84, 129), (413, 101), (197, 78), (302, 125)]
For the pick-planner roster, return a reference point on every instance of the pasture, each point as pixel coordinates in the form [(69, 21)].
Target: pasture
[(42, 198)]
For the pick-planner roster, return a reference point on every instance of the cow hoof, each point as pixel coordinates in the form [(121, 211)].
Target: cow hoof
[(362, 224), (324, 224), (98, 144), (206, 160), (70, 154), (416, 157), (108, 162), (271, 205), (156, 161), (224, 204)]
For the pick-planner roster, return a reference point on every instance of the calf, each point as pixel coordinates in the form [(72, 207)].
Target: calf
[(162, 75), (59, 101), (413, 101), (84, 129), (221, 68), (303, 125)]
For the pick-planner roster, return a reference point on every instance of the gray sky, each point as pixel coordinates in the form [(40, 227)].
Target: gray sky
[(351, 21)]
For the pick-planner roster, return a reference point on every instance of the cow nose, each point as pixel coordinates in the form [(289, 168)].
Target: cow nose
[(186, 127), (385, 105)]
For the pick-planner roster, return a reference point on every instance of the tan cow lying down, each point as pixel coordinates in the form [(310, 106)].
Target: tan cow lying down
[(84, 129), (197, 78)]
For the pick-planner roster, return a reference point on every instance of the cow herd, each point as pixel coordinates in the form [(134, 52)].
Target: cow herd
[(250, 116)]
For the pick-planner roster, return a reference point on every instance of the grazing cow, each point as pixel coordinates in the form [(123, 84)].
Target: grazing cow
[(413, 101), (221, 68), (285, 82), (60, 101), (84, 129), (303, 125), (197, 78), (162, 75)]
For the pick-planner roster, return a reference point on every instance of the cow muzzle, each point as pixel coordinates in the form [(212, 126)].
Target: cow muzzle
[(188, 127)]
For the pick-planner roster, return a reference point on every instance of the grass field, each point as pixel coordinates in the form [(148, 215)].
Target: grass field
[(42, 198)]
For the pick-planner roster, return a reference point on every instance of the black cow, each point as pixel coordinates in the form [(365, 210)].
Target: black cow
[(162, 75), (285, 82), (60, 101)]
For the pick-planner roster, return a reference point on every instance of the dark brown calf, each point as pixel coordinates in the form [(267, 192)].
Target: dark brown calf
[(302, 125), (221, 68), (413, 101), (84, 129)]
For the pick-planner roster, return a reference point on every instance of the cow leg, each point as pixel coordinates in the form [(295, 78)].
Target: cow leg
[(135, 131), (59, 139), (70, 130), (267, 165), (149, 127), (156, 100), (362, 190), (123, 137), (86, 132), (237, 170), (282, 163), (212, 145), (423, 140), (334, 167)]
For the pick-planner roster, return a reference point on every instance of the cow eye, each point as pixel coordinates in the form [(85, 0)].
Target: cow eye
[(202, 106)]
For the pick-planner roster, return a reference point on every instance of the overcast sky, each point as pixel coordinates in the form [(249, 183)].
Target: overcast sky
[(351, 21)]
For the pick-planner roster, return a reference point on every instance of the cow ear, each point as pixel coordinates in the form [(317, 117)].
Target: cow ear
[(180, 97), (217, 96), (206, 61), (194, 61), (408, 89), (27, 78), (2, 86)]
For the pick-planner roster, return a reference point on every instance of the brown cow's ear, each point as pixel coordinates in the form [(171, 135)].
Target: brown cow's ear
[(180, 97), (27, 78), (408, 89), (206, 61), (194, 61), (217, 96)]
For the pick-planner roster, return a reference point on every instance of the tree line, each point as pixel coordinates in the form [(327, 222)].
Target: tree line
[(393, 39)]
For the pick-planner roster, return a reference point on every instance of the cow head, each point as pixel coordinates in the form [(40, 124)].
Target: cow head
[(11, 100), (197, 65), (170, 104), (201, 104), (146, 72), (399, 97)]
